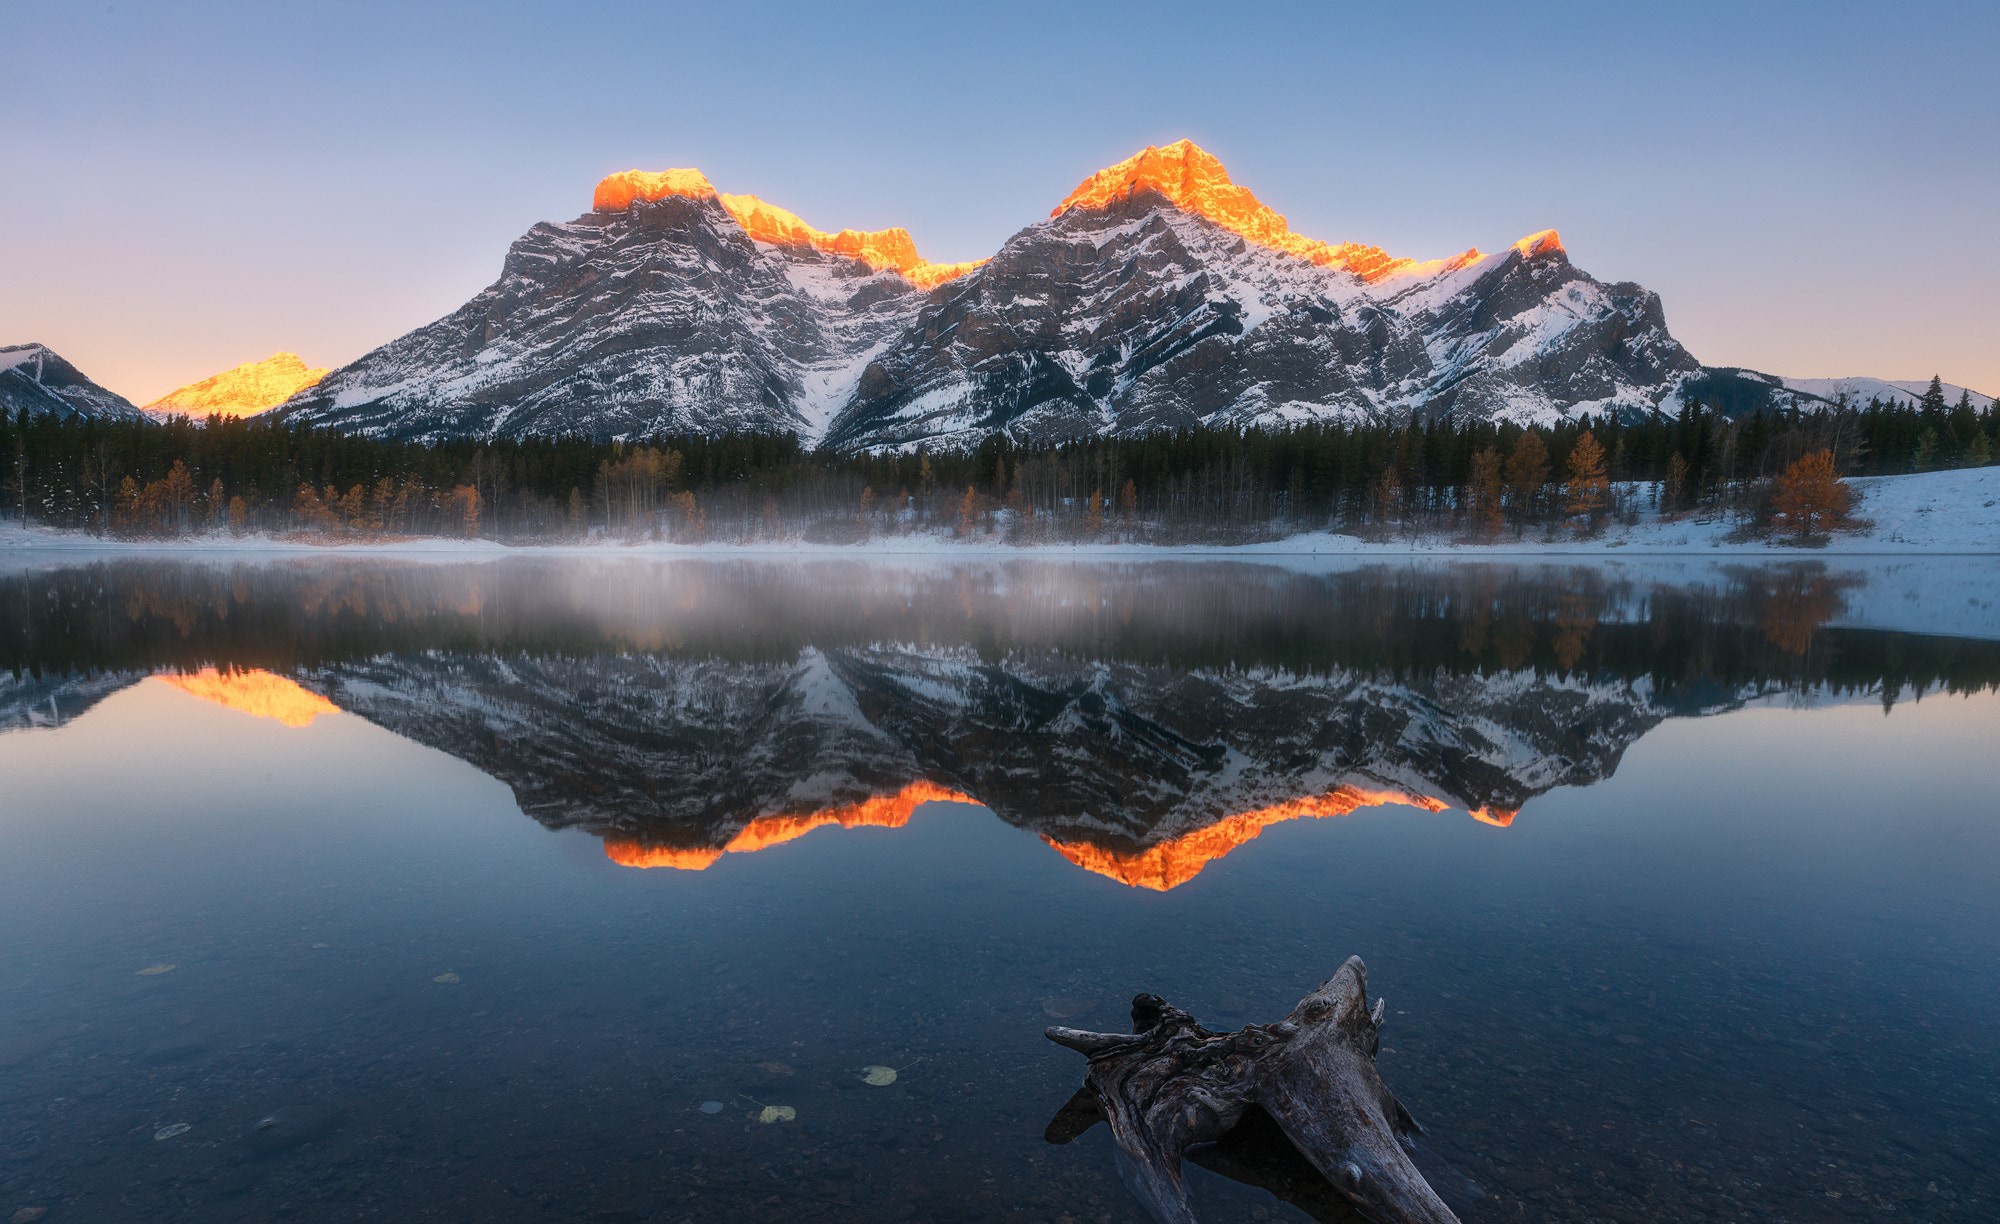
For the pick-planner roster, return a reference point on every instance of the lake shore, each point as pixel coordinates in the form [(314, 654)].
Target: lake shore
[(1933, 513)]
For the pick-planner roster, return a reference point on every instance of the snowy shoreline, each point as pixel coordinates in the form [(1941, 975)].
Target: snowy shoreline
[(1931, 514)]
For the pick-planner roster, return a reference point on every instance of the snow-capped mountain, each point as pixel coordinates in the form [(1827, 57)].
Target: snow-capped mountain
[(34, 378), (240, 391), (668, 307), (1901, 391), (1158, 294)]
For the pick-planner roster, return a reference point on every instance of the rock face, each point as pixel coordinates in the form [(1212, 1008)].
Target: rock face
[(240, 391), (1138, 314), (657, 315), (1159, 294), (34, 379)]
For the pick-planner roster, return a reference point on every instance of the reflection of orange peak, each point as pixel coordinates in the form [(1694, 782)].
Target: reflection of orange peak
[(882, 811), (1174, 862), (1196, 182), (254, 692), (883, 250)]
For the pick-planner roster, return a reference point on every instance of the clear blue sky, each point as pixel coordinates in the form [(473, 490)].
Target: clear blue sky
[(1813, 187)]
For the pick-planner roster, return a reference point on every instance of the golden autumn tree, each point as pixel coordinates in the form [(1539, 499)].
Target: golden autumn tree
[(1586, 486), (1482, 492), (968, 512), (1527, 471), (1811, 498)]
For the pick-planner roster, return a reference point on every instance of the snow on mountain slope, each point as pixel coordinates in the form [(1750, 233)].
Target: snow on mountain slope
[(34, 378), (1861, 390), (1166, 296), (1159, 294), (656, 312)]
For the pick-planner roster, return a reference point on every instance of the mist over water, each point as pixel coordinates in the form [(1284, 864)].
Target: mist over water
[(466, 890)]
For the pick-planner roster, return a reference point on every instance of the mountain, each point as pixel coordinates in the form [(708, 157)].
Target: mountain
[(240, 391), (1158, 294), (34, 378), (1861, 390), (668, 307)]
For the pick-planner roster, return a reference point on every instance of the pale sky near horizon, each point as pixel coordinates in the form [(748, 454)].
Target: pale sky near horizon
[(1811, 187)]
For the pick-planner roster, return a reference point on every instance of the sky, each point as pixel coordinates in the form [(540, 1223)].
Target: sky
[(1812, 187)]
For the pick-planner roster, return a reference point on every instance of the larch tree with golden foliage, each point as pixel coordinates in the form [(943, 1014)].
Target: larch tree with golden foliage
[(1527, 472), (1482, 493), (1812, 499), (1586, 487)]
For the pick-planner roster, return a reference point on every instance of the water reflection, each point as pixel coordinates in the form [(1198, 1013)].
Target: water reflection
[(1143, 720), (1742, 972)]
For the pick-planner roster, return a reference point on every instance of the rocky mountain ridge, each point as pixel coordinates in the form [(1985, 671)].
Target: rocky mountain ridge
[(1159, 294), (33, 379)]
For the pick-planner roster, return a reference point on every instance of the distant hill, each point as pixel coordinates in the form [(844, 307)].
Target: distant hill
[(34, 378), (1861, 390)]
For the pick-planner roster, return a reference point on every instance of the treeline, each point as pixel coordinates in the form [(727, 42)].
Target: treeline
[(176, 478)]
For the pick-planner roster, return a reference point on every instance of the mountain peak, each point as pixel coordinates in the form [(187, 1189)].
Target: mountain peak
[(241, 391), (1196, 182), (1541, 242), (885, 250)]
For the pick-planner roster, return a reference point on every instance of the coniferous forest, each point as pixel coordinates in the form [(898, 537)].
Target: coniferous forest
[(181, 477)]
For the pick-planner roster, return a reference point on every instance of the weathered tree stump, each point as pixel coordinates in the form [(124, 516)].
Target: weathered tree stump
[(1173, 1086)]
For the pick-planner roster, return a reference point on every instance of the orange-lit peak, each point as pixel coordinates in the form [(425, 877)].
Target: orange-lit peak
[(617, 191), (890, 249), (1196, 182), (243, 390), (1174, 862), (258, 693), (1541, 242), (882, 812), (1498, 817)]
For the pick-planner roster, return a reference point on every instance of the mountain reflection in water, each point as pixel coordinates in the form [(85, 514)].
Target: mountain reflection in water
[(1143, 719)]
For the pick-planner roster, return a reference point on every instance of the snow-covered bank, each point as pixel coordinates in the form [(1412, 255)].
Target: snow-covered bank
[(1954, 512)]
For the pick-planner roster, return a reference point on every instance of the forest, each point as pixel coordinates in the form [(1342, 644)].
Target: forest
[(1477, 480)]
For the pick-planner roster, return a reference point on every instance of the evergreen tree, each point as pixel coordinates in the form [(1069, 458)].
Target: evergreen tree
[(1933, 401)]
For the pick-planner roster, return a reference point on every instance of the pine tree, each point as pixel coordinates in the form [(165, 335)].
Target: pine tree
[(1933, 401), (1926, 451), (1673, 489)]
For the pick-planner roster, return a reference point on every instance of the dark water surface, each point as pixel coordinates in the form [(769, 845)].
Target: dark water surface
[(337, 889)]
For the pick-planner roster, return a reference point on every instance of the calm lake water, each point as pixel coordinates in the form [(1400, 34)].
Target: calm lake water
[(521, 890)]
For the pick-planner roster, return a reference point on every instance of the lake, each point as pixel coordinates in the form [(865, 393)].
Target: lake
[(588, 888)]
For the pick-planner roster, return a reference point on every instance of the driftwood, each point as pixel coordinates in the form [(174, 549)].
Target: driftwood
[(1231, 1100)]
